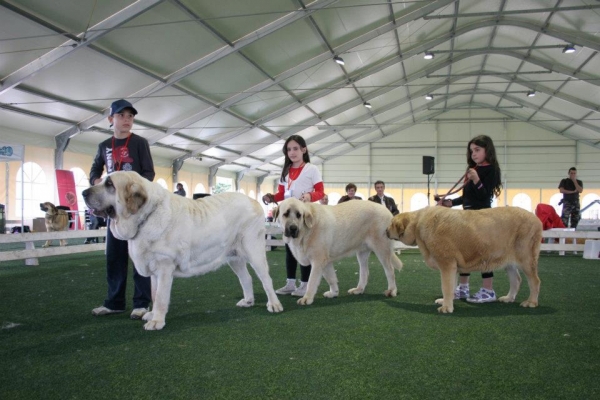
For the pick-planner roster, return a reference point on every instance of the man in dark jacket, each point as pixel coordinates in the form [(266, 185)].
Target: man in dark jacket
[(380, 198)]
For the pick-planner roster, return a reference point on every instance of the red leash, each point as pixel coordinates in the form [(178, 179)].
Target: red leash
[(452, 191)]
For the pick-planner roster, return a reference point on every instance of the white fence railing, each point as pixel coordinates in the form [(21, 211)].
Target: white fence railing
[(563, 235), (30, 254)]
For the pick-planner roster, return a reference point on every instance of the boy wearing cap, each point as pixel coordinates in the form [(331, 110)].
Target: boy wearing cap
[(124, 151)]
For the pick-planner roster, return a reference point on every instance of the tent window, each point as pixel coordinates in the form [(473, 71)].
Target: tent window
[(35, 191)]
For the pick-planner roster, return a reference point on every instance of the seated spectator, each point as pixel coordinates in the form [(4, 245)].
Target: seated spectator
[(350, 194), (180, 190)]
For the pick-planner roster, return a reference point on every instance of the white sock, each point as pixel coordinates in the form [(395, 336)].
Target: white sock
[(291, 282)]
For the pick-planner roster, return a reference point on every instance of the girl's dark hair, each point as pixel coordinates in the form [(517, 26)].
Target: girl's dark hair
[(487, 143), (351, 186), (288, 163)]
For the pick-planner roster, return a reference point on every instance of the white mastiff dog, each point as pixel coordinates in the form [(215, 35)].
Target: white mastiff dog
[(173, 236), (319, 235)]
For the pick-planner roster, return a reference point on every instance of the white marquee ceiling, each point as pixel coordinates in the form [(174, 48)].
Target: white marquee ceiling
[(223, 83)]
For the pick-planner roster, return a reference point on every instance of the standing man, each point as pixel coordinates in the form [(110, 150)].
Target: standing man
[(570, 188), (124, 151), (380, 198)]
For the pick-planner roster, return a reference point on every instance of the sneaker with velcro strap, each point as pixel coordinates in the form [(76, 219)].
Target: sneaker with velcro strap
[(461, 292), (483, 296)]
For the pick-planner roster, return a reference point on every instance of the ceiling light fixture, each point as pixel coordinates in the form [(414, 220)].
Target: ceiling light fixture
[(367, 104), (428, 97), (428, 55), (569, 49), (338, 60), (531, 93)]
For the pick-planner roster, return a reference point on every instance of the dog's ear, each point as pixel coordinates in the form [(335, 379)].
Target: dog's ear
[(135, 197), (408, 225), (308, 218)]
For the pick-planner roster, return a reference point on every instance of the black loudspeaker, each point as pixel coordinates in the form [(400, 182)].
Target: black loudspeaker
[(428, 165)]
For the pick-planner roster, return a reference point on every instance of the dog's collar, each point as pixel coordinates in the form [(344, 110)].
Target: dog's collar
[(141, 225)]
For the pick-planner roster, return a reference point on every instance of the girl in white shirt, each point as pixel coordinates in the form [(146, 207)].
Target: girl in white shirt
[(302, 180)]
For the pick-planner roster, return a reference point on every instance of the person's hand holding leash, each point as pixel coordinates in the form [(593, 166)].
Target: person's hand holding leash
[(472, 175), (445, 203), (306, 198)]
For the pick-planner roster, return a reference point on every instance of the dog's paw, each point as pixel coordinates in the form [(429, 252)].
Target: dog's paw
[(245, 303), (330, 295), (304, 301), (531, 304), (148, 316), (445, 310), (274, 307), (391, 293), (356, 290), (506, 299), (154, 325), (439, 301)]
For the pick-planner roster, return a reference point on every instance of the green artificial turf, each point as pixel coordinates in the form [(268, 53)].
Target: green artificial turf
[(351, 347)]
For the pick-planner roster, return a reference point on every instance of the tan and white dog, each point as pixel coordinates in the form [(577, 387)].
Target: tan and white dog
[(56, 220), (474, 240), (173, 236), (319, 235)]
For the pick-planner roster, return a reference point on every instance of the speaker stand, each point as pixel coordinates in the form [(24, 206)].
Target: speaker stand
[(428, 182)]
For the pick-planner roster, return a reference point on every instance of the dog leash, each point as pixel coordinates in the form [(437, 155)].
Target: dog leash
[(452, 191)]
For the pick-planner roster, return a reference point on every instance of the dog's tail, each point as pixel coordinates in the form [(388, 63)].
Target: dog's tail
[(399, 264), (396, 262)]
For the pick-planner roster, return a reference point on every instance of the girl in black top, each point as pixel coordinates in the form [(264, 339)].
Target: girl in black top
[(483, 182)]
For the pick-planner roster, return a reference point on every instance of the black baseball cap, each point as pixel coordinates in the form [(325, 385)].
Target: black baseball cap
[(120, 105)]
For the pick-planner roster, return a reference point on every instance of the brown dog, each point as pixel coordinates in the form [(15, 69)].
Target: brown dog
[(56, 220), (466, 241)]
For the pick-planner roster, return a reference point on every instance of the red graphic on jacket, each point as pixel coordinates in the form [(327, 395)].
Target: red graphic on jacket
[(121, 155)]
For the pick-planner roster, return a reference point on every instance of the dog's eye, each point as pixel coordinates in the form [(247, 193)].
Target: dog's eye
[(298, 215), (108, 182), (286, 214)]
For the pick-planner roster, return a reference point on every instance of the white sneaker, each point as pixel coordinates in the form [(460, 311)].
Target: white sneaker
[(289, 288), (301, 291), (483, 296), (138, 313), (461, 292), (105, 311)]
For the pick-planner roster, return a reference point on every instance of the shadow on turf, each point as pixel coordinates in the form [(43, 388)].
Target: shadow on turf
[(462, 309)]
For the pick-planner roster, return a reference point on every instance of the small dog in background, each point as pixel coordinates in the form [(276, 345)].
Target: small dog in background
[(56, 220)]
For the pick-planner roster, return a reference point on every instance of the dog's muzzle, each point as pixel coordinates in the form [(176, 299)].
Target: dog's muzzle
[(291, 231), (387, 233)]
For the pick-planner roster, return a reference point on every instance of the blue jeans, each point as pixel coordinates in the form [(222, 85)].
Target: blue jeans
[(117, 264)]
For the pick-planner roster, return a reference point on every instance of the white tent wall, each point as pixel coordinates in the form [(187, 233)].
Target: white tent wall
[(529, 157), (533, 161)]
